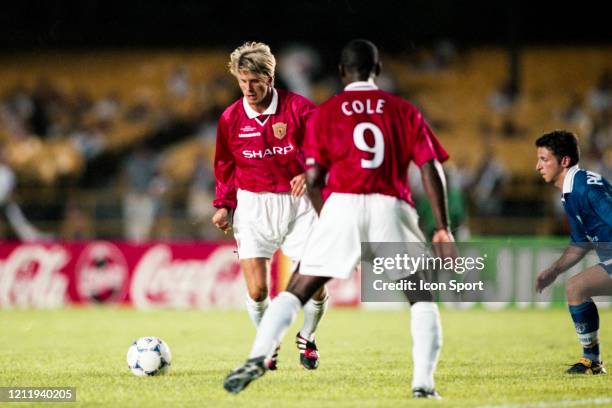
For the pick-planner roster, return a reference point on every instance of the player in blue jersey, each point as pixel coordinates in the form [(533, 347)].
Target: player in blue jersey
[(587, 199)]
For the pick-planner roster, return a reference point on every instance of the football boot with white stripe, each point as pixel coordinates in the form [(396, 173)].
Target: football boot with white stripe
[(309, 354)]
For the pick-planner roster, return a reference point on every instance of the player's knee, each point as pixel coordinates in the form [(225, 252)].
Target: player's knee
[(298, 293), (258, 292), (574, 289), (320, 294)]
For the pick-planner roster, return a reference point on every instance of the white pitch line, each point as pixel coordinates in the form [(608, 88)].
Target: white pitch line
[(547, 404)]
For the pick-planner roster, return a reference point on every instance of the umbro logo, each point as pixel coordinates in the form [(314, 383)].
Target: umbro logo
[(252, 134)]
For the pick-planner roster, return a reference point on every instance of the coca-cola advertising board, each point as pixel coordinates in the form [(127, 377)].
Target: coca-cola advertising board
[(151, 275)]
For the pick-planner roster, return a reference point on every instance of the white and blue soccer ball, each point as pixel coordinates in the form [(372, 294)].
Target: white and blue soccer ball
[(149, 356)]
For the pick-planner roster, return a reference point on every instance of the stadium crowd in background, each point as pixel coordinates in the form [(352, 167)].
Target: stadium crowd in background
[(62, 138)]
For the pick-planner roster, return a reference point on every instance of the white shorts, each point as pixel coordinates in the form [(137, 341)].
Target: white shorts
[(333, 248), (265, 222)]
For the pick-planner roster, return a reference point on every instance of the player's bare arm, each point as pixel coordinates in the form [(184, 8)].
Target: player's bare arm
[(570, 257), (434, 182), (315, 179)]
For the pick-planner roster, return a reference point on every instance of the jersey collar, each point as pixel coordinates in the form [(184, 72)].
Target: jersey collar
[(271, 110), (568, 182), (368, 85)]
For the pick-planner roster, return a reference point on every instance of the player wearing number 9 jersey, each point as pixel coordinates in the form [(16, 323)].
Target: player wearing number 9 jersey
[(366, 138), (358, 149)]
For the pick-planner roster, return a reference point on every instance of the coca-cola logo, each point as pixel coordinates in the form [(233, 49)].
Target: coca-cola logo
[(102, 272), (161, 281), (30, 277)]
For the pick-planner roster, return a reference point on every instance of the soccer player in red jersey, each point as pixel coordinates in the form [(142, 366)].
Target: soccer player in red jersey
[(358, 151), (259, 170)]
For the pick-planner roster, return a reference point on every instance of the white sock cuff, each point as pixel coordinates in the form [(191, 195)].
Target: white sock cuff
[(257, 305), (424, 307), (588, 339), (290, 297), (319, 302)]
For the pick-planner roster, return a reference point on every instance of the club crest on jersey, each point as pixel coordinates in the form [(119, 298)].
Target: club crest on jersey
[(280, 129)]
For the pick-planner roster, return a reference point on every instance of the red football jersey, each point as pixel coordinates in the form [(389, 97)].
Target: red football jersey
[(260, 152), (366, 138)]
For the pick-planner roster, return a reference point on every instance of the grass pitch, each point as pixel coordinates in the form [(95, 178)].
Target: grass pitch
[(511, 358)]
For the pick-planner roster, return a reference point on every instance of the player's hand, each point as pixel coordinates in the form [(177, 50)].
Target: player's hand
[(298, 185), (221, 220), (444, 244), (545, 278)]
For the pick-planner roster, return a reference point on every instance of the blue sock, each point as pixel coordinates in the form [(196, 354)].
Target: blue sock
[(586, 321)]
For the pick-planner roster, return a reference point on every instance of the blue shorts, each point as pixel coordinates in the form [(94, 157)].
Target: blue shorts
[(607, 265)]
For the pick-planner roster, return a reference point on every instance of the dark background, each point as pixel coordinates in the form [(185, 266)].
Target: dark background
[(394, 25)]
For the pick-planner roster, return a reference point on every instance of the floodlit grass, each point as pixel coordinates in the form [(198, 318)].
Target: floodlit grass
[(511, 357)]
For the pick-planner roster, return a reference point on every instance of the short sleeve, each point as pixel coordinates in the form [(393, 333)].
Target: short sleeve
[(425, 144), (314, 147)]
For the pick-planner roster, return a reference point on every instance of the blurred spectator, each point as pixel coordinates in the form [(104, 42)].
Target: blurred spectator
[(46, 101), (163, 228), (502, 98), (456, 202), (575, 114), (107, 109), (142, 198), (77, 224), (178, 83), (16, 111), (10, 211), (89, 142), (489, 180), (600, 97), (386, 82), (439, 58), (7, 179), (600, 138), (141, 110), (297, 66), (200, 198)]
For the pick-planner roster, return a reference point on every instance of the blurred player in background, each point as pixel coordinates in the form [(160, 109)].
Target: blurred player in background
[(358, 151), (260, 179), (587, 199)]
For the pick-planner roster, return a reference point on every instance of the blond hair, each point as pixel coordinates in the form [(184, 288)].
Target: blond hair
[(252, 57)]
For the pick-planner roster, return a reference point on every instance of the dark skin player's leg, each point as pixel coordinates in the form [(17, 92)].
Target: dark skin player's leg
[(415, 296), (304, 286)]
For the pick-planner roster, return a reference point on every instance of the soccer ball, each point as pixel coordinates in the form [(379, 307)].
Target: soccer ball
[(149, 356)]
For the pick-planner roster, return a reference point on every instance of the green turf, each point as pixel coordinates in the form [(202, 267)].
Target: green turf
[(506, 357)]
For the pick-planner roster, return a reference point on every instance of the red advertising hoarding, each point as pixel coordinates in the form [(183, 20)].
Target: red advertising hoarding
[(161, 274)]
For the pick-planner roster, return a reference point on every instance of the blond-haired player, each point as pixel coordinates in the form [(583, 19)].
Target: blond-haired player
[(260, 180)]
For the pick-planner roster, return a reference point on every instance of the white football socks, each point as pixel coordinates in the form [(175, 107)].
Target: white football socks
[(426, 343), (280, 315), (313, 313), (256, 309)]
